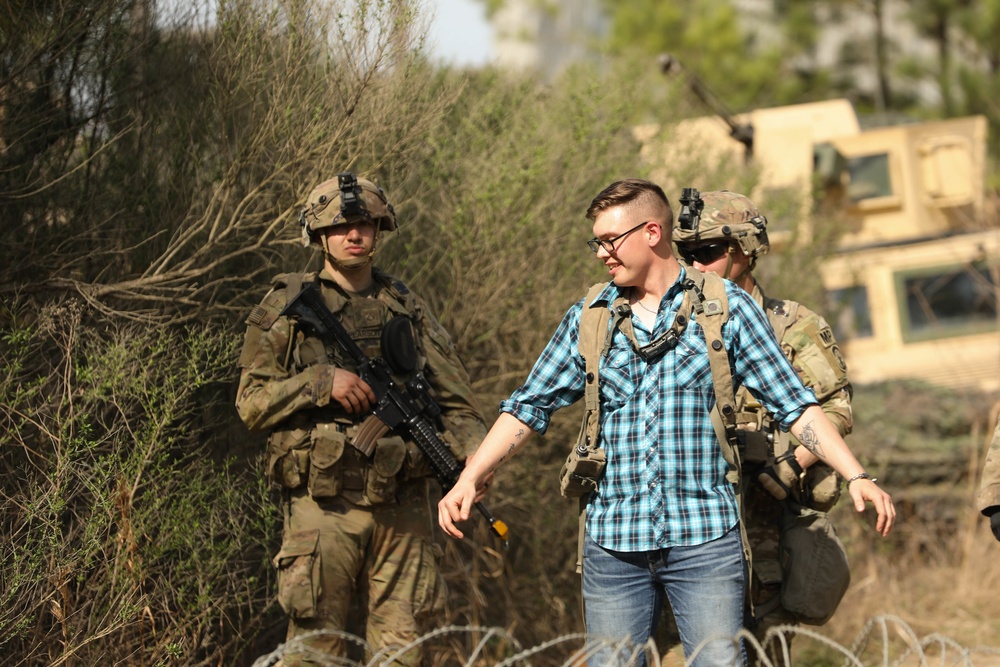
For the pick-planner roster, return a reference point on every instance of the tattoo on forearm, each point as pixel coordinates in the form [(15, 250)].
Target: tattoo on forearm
[(510, 450), (810, 440)]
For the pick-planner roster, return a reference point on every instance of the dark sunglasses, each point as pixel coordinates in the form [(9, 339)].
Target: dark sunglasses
[(704, 254)]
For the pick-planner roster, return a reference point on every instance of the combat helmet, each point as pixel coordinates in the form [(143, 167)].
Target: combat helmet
[(712, 217), (344, 200)]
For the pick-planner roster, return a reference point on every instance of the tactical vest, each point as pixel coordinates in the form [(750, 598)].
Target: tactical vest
[(326, 450), (365, 319), (705, 295)]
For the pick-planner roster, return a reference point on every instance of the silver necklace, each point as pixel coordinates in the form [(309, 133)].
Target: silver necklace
[(640, 304)]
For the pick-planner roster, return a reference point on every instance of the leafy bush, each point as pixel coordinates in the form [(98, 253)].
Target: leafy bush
[(124, 534)]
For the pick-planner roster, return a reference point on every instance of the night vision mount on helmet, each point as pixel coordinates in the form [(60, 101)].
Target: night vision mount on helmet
[(721, 216), (344, 200)]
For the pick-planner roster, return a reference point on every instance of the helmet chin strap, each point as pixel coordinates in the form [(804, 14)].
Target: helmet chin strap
[(729, 266), (729, 263)]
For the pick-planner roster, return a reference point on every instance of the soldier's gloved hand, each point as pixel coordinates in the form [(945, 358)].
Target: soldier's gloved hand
[(781, 476), (995, 522)]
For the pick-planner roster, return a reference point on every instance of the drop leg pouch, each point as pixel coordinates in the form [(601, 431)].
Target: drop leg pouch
[(814, 563)]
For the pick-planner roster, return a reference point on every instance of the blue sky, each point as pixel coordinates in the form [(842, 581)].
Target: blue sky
[(460, 33)]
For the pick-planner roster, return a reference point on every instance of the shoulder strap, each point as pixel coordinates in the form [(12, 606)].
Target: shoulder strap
[(712, 308), (293, 284), (593, 342)]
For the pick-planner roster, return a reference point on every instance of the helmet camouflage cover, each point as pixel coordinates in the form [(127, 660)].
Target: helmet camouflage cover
[(344, 200), (724, 216)]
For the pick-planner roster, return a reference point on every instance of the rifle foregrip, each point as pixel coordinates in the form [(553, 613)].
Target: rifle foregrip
[(440, 457)]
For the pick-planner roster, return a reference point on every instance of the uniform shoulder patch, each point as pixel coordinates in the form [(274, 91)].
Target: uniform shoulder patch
[(817, 353), (256, 316), (265, 313)]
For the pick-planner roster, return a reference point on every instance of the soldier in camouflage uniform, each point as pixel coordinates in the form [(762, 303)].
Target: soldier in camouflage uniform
[(730, 237), (358, 501), (988, 501)]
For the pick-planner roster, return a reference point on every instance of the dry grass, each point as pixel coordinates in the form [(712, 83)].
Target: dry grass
[(937, 574)]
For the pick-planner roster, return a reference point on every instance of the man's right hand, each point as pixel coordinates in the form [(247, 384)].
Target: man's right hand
[(456, 506), (353, 393)]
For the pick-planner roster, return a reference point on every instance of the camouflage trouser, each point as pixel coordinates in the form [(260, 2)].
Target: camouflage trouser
[(377, 562)]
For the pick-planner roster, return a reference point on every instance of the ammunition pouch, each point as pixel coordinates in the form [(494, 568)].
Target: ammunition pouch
[(416, 464), (325, 461), (755, 446), (288, 457), (383, 474)]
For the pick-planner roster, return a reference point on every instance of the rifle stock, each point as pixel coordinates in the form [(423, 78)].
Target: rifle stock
[(405, 408)]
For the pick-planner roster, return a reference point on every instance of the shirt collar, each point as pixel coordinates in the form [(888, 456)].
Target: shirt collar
[(612, 291)]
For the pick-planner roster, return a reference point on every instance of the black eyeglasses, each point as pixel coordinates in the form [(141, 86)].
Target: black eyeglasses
[(704, 254), (609, 244)]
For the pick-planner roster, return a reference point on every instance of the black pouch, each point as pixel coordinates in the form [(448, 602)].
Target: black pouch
[(399, 345), (298, 566), (325, 468), (815, 567), (387, 461)]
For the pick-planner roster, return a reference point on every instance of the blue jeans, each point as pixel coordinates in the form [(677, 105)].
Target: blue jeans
[(623, 596)]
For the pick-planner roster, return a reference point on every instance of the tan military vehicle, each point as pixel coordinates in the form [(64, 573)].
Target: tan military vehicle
[(913, 278)]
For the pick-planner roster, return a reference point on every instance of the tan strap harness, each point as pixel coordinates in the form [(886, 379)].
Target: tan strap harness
[(705, 295)]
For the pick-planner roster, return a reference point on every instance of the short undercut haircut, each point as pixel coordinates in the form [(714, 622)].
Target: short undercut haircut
[(634, 192)]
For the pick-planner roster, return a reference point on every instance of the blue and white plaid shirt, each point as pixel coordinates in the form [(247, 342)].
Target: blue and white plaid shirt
[(665, 482)]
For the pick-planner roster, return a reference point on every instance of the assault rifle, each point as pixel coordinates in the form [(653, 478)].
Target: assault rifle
[(410, 408)]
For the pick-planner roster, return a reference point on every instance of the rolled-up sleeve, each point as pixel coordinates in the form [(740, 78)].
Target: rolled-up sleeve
[(555, 381)]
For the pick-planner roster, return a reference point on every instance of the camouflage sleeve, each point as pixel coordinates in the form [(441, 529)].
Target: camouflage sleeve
[(989, 488), (268, 394), (460, 411), (810, 346)]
